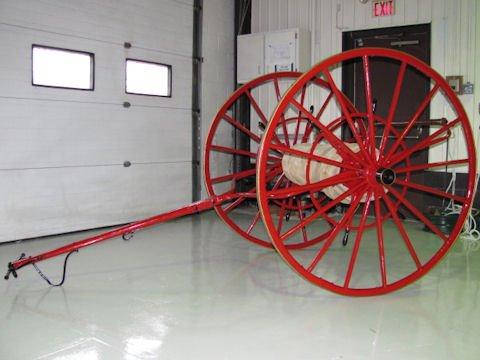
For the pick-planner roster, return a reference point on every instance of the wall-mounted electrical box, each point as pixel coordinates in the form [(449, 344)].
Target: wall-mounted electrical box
[(250, 57), (287, 50), (263, 53)]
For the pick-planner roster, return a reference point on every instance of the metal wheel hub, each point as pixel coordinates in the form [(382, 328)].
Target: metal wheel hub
[(386, 176)]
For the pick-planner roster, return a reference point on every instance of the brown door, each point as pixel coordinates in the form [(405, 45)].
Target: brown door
[(414, 40)]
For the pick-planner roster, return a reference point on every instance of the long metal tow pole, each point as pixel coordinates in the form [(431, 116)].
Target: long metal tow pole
[(193, 208)]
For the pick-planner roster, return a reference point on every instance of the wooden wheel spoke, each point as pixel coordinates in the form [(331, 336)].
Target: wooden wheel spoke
[(281, 215), (369, 101), (300, 216), (260, 113), (393, 107), (314, 187), (401, 229), (277, 90), (324, 215), (309, 128), (257, 215), (252, 192), (358, 239), (242, 174), (286, 136), (320, 212), (430, 165), (417, 213), (229, 150), (234, 204), (427, 142), (400, 156), (257, 109), (324, 106), (282, 117), (412, 120), (299, 119), (430, 190), (380, 240), (253, 223), (241, 127), (328, 242), (283, 205), (346, 112), (344, 151), (279, 181), (234, 176)]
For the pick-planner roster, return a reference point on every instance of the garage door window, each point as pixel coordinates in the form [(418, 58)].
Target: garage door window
[(148, 78), (62, 68)]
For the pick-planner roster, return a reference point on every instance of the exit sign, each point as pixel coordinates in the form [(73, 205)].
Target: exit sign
[(383, 8)]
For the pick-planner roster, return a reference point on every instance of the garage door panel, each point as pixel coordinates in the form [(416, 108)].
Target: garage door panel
[(153, 24), (63, 150), (76, 134), (16, 78), (52, 201)]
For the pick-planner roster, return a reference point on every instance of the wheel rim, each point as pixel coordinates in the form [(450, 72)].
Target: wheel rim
[(223, 180), (380, 177)]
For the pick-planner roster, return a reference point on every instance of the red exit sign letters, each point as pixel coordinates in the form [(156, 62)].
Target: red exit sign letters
[(383, 8)]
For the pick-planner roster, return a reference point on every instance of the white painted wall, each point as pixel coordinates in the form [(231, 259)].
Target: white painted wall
[(62, 150), (455, 33), (218, 66)]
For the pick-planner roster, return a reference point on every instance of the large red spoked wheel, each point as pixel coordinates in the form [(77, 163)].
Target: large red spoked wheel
[(375, 175), (259, 97)]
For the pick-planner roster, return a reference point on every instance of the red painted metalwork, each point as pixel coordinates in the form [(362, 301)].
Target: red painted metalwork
[(376, 180), (193, 208), (220, 181), (380, 173)]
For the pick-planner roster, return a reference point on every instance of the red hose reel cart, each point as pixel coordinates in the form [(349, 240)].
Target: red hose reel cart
[(315, 176)]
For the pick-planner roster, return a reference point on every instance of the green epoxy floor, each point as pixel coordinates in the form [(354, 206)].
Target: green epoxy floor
[(193, 289)]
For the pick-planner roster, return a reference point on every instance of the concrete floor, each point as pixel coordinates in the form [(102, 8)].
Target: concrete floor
[(192, 289)]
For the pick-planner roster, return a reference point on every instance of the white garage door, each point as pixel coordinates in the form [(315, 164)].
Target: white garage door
[(62, 151)]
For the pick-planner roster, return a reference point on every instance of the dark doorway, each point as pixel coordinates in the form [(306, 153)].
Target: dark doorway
[(414, 40)]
